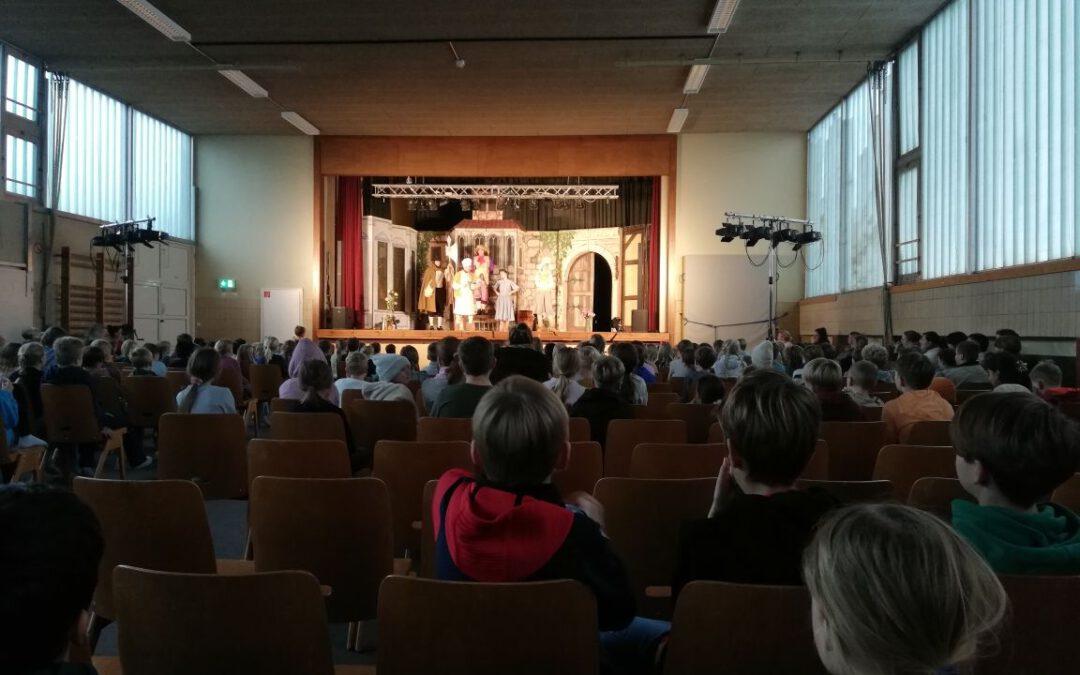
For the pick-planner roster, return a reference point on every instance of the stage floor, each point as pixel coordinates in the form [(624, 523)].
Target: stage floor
[(425, 336)]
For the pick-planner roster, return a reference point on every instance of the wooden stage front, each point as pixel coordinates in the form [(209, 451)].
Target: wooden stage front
[(425, 336)]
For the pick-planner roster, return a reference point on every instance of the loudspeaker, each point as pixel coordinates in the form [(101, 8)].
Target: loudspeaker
[(342, 318), (639, 320)]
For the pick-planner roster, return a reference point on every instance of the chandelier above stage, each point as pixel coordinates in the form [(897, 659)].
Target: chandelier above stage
[(513, 195)]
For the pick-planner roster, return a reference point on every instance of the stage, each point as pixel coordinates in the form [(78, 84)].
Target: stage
[(408, 336)]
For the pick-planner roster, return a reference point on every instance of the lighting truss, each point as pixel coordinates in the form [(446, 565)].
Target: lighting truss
[(583, 193)]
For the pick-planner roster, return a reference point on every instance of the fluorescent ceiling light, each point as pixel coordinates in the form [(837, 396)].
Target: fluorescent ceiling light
[(156, 18), (721, 16), (250, 86), (678, 118), (300, 123), (695, 79)]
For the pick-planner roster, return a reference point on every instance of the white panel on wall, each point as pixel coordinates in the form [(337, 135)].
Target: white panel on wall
[(147, 328), (146, 300), (176, 265), (705, 303), (280, 311), (147, 264), (174, 302)]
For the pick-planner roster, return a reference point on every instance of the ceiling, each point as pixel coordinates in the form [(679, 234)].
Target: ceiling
[(557, 67)]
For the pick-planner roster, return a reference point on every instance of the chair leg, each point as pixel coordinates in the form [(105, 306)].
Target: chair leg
[(350, 638), (114, 443), (29, 461), (93, 630)]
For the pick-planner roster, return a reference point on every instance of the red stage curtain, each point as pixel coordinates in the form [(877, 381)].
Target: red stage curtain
[(348, 220), (654, 257)]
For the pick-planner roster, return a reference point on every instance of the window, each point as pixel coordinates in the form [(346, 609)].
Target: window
[(823, 202), (161, 176), (20, 166), (20, 89), (907, 165), (20, 127), (909, 97)]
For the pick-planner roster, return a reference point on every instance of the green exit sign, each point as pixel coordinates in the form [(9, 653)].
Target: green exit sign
[(226, 284)]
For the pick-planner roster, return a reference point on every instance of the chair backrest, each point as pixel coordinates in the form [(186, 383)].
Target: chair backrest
[(297, 459), (430, 429), (405, 466), (1040, 636), (586, 466), (579, 430), (148, 398), (337, 529), (233, 381), (624, 435), (428, 626), (905, 464), (936, 495), (853, 448), (175, 624), (265, 381), (374, 421), (207, 449), (817, 467), (716, 433), (927, 433), (69, 414), (698, 417), (427, 532), (678, 384), (750, 629), (643, 518), (158, 524), (301, 426), (1070, 409), (278, 404), (872, 413), (350, 395), (677, 460), (965, 394), (656, 407), (420, 403), (1068, 494), (657, 387), (852, 491), (178, 381), (110, 396)]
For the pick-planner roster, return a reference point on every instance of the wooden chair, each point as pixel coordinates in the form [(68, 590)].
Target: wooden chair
[(282, 405), (148, 398), (851, 491), (337, 529), (21, 462), (936, 495), (297, 459), (872, 413), (177, 624), (1070, 409), (677, 385), (817, 467), (905, 464), (298, 426), (265, 381), (927, 433), (586, 466), (1040, 636), (420, 403), (579, 430), (374, 421), (853, 448), (109, 395), (234, 382), (405, 467), (699, 417), (716, 433), (741, 628), (643, 518), (427, 532), (159, 524), (428, 626), (624, 435), (966, 394), (677, 460), (178, 381), (658, 387), (209, 450), (656, 408), (70, 420), (1068, 494), (433, 429), (728, 383)]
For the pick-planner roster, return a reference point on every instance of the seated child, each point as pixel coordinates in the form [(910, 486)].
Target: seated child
[(1012, 451), (759, 522), (710, 390), (1046, 381), (602, 403), (142, 361), (916, 402), (202, 396), (825, 378), (315, 381), (967, 374), (509, 523), (477, 358), (861, 380), (893, 590), (566, 364), (356, 372)]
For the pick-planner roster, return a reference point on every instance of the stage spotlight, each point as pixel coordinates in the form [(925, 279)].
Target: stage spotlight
[(579, 204), (778, 236), (411, 204), (466, 205), (802, 238), (756, 234), (500, 203), (533, 205), (430, 205), (729, 232), (517, 204)]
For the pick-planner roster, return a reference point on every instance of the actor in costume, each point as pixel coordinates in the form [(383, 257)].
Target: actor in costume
[(545, 291), (504, 301), (464, 303), (482, 262), (433, 293)]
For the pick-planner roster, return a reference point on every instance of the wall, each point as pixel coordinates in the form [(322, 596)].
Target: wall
[(254, 225), (762, 173)]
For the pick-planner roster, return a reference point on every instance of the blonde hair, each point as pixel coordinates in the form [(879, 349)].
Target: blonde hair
[(518, 429), (566, 364), (823, 373), (899, 591), (127, 347), (587, 357), (272, 345)]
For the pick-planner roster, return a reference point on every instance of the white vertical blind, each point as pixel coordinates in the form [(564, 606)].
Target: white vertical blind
[(161, 175), (908, 216), (944, 145), (823, 203), (20, 167), (909, 97), (1026, 65), (20, 90)]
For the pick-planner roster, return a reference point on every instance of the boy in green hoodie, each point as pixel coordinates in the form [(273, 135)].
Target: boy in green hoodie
[(1012, 450)]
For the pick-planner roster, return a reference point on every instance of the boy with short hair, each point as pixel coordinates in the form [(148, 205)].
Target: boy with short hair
[(433, 386), (861, 380), (916, 402), (50, 549), (967, 373), (508, 522), (1046, 381), (356, 370), (759, 522), (1012, 451), (477, 358)]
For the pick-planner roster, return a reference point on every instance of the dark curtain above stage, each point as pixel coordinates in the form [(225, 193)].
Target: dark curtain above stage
[(348, 218)]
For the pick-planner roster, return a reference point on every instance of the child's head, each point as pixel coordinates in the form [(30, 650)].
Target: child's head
[(876, 354), (823, 375), (520, 433), (141, 358), (686, 352), (93, 358), (51, 549), (356, 365), (863, 375), (224, 347), (1014, 445), (477, 356), (895, 590), (566, 361), (433, 352), (771, 424), (448, 348), (390, 349), (409, 352), (502, 274), (68, 351), (704, 357), (608, 373), (1008, 342), (31, 355), (1003, 368), (315, 376), (1045, 375), (915, 371), (299, 332), (967, 353), (520, 334), (204, 364), (710, 389)]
